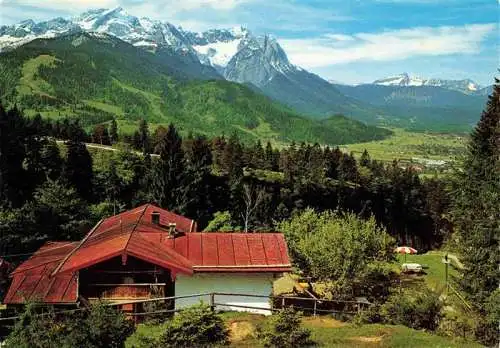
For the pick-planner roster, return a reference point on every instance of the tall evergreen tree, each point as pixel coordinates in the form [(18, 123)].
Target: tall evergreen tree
[(50, 160), (144, 138), (113, 131), (365, 159), (78, 169), (12, 154), (200, 181), (476, 216), (168, 174)]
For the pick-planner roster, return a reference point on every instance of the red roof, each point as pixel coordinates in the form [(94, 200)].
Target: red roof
[(233, 252), (124, 234), (133, 233), (32, 282)]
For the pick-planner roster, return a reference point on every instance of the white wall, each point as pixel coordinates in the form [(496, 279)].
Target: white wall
[(239, 283)]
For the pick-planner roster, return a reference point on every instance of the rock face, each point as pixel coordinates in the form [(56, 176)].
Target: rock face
[(258, 61)]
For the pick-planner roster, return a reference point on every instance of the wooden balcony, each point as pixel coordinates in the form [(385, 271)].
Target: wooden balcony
[(120, 292)]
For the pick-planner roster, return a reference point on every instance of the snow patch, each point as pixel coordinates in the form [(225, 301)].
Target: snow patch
[(219, 53)]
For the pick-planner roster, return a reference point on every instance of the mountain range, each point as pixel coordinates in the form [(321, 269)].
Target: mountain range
[(260, 63), (466, 86)]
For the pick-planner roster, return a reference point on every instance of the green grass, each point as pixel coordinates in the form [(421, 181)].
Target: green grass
[(405, 145), (435, 269), (30, 83), (112, 109), (325, 331)]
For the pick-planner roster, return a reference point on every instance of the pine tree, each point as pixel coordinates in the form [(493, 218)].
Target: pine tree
[(200, 180), (168, 175), (476, 215), (365, 159), (158, 135), (269, 157), (78, 169), (113, 132), (50, 160), (144, 138), (12, 154)]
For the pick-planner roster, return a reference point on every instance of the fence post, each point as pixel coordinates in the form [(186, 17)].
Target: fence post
[(282, 303), (315, 304), (212, 301)]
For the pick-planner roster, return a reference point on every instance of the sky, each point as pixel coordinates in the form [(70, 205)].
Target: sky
[(349, 41)]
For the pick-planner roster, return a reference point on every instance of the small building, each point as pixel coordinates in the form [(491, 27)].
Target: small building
[(149, 252)]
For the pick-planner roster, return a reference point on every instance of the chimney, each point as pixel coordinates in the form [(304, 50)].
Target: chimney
[(155, 218), (171, 230)]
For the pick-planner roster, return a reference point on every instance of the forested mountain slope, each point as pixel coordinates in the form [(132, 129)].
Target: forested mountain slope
[(97, 77)]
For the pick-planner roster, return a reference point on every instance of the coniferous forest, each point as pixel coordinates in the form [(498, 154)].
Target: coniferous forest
[(52, 186)]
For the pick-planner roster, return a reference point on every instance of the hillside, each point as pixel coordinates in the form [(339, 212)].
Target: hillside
[(97, 77)]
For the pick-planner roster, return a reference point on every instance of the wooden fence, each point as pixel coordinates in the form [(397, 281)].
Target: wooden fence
[(304, 304)]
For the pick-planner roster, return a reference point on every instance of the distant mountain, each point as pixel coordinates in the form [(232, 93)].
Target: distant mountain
[(422, 107), (97, 77), (404, 80)]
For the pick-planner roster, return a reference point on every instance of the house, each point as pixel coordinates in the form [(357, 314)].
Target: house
[(149, 252)]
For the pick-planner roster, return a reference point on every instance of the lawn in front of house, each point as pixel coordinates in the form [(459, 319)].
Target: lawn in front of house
[(325, 331)]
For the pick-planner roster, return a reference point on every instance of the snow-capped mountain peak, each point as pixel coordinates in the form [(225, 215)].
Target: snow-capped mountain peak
[(235, 53), (404, 80)]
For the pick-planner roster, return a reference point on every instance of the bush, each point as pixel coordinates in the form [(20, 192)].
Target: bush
[(196, 326), (99, 327), (283, 330), (102, 326), (371, 315), (420, 310)]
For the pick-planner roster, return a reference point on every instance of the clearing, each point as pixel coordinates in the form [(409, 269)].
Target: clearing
[(405, 145)]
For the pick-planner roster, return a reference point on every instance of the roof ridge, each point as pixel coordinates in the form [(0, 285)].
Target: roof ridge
[(58, 268), (135, 227), (169, 251)]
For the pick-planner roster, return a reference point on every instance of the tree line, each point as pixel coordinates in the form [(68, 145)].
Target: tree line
[(56, 192)]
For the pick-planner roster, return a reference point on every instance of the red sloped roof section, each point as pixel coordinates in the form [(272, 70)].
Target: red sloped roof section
[(158, 254), (235, 252), (32, 281), (119, 234)]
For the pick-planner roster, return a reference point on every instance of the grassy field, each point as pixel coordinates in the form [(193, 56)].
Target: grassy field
[(405, 145), (325, 332), (434, 268)]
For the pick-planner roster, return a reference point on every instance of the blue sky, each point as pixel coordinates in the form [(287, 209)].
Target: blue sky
[(349, 41)]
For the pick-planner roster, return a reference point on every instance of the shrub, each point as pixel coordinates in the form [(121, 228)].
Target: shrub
[(196, 326), (102, 326), (420, 310), (457, 325), (283, 330), (33, 330), (370, 315), (99, 327)]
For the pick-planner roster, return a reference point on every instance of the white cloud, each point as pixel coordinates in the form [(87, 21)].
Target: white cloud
[(386, 46), (66, 5), (171, 5), (339, 37)]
